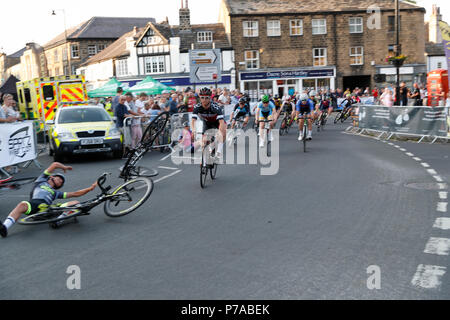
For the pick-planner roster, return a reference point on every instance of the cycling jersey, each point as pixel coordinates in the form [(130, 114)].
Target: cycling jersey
[(241, 111), (288, 106), (269, 108), (325, 104), (211, 115), (346, 103), (306, 107), (43, 191)]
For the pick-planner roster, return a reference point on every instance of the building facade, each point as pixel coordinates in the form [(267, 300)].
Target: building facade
[(161, 51), (287, 46)]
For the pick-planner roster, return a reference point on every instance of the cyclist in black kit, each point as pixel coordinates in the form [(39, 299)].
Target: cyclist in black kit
[(211, 114)]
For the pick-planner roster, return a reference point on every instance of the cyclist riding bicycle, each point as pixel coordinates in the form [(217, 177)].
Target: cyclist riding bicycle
[(44, 192), (316, 100), (347, 104), (325, 105), (241, 110), (265, 111), (288, 107), (211, 114), (304, 108)]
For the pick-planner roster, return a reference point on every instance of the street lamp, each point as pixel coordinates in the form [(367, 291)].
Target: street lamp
[(65, 35), (397, 51)]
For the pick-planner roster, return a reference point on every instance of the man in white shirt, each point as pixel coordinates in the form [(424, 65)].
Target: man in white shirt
[(224, 98), (8, 111), (136, 130)]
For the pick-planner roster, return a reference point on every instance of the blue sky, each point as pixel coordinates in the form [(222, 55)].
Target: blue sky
[(36, 24)]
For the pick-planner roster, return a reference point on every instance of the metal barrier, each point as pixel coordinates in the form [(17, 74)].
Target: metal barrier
[(416, 120)]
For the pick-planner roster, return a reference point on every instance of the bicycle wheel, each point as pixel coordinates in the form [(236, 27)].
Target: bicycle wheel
[(15, 184), (203, 170), (213, 171), (154, 129), (304, 137), (49, 216), (337, 118), (128, 197), (141, 171)]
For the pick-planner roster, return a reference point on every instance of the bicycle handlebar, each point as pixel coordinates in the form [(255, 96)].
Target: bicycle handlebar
[(101, 181)]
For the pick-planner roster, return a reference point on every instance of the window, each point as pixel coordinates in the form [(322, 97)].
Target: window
[(75, 51), (101, 47), (356, 25), (74, 69), (439, 65), (356, 56), (27, 94), (250, 28), (55, 55), (273, 28), (48, 93), (320, 57), (296, 27), (56, 72), (204, 36), (122, 67), (251, 59), (154, 64), (391, 22), (319, 26), (64, 54), (92, 50)]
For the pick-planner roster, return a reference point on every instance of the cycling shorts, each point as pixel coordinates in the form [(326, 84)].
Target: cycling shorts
[(265, 115), (325, 108), (210, 125), (39, 205), (304, 110)]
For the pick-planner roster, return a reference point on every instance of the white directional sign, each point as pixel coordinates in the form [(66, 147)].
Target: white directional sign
[(205, 66)]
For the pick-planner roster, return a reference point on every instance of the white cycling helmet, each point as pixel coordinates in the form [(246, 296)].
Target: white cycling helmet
[(304, 97), (312, 93)]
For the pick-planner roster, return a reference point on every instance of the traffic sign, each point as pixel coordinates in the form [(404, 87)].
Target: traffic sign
[(205, 66)]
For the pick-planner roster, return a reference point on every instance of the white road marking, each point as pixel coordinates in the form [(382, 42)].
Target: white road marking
[(390, 143), (402, 149), (428, 277), (168, 176), (168, 168), (438, 178), (439, 246), (442, 223), (425, 165), (443, 195), (431, 171), (410, 154), (398, 147), (442, 186), (167, 156), (417, 159), (442, 207)]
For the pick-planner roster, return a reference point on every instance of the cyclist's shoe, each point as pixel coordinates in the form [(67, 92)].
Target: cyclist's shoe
[(309, 136), (300, 136), (3, 231)]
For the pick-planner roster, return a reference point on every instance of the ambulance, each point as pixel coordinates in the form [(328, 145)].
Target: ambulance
[(40, 98)]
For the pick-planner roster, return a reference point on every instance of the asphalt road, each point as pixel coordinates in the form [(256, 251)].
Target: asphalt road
[(309, 232)]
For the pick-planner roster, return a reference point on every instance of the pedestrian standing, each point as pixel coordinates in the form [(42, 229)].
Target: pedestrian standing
[(416, 96), (387, 98), (115, 100)]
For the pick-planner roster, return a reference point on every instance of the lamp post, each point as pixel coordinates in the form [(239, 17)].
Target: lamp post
[(65, 36), (397, 52)]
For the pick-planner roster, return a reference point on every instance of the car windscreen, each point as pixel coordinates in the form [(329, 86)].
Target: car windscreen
[(83, 115)]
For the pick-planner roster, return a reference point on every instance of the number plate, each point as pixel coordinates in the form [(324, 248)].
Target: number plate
[(91, 141)]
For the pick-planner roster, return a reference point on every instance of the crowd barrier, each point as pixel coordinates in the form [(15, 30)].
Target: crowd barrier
[(421, 122), (18, 143)]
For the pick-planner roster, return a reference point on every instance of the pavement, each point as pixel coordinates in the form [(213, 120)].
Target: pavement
[(315, 230)]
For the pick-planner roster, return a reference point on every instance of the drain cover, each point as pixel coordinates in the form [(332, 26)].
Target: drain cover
[(423, 186)]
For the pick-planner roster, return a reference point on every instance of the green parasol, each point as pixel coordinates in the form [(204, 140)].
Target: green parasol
[(108, 90), (150, 86)]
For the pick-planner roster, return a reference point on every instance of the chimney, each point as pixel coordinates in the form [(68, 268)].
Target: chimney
[(434, 32), (134, 31), (185, 16)]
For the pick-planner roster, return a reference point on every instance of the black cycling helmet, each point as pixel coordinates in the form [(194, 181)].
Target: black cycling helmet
[(63, 178), (242, 100), (205, 92)]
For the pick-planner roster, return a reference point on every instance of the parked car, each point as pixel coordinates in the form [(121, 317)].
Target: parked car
[(83, 130)]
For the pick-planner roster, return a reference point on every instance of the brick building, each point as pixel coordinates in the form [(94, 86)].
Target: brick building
[(66, 52), (290, 45)]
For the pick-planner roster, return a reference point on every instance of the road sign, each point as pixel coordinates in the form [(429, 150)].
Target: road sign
[(205, 66)]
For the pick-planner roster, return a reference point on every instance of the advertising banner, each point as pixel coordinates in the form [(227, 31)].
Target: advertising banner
[(17, 143), (406, 120)]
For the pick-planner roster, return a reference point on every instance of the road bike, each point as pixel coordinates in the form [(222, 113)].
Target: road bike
[(341, 116), (305, 131), (239, 125), (130, 170), (321, 121), (118, 201), (265, 135), (208, 164), (8, 182), (286, 123)]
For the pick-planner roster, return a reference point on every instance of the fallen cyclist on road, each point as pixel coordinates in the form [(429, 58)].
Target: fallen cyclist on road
[(43, 194)]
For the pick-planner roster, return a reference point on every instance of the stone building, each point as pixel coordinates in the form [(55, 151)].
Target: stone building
[(66, 52), (286, 46), (7, 63)]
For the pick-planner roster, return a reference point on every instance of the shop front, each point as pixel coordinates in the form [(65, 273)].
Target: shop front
[(286, 82)]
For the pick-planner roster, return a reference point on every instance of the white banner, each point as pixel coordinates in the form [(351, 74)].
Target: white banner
[(17, 143)]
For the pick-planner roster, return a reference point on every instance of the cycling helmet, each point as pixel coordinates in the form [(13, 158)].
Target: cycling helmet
[(242, 100), (205, 92), (348, 95), (276, 96), (63, 178), (186, 124), (304, 97), (265, 99), (312, 93)]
